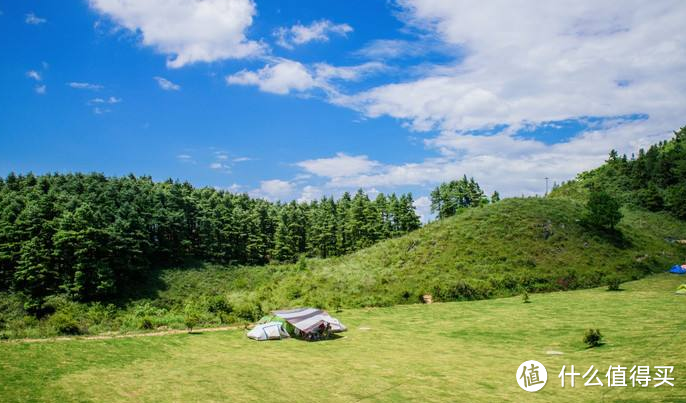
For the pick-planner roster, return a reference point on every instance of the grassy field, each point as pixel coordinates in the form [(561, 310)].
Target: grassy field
[(459, 351)]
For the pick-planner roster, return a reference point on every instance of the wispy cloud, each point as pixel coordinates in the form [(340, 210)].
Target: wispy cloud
[(41, 89), (85, 86), (166, 84), (109, 101), (32, 19), (34, 75), (317, 31), (185, 158)]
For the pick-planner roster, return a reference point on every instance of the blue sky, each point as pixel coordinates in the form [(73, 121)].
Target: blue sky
[(295, 99)]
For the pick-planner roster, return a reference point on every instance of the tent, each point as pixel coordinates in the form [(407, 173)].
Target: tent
[(677, 269), (310, 322), (268, 331)]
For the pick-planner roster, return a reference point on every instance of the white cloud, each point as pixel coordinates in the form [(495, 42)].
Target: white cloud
[(423, 208), (33, 74), (342, 165), (166, 84), (242, 159), (85, 86), (110, 101), (531, 63), (528, 64), (326, 72), (309, 194), (186, 159), (32, 19), (41, 89), (281, 78), (317, 31), (387, 49), (284, 76), (275, 189), (188, 31)]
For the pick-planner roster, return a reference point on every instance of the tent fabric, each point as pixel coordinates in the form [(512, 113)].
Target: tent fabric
[(308, 319), (268, 331), (677, 269)]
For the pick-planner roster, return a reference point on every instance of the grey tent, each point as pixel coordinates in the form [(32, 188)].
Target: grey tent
[(306, 321), (268, 331)]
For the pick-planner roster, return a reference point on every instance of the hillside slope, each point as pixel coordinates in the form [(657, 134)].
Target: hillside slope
[(532, 243)]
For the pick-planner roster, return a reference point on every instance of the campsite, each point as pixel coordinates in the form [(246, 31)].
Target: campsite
[(342, 201), (457, 351)]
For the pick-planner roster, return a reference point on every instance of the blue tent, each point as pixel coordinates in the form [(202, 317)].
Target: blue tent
[(677, 269)]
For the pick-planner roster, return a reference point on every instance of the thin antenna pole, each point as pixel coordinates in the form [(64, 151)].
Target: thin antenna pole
[(546, 185)]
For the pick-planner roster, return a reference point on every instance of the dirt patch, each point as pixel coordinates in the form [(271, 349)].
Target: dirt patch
[(108, 336)]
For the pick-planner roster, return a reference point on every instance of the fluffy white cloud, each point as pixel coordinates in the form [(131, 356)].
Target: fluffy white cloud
[(528, 64), (32, 19), (274, 189), (85, 86), (318, 31), (188, 31), (166, 84), (41, 89), (310, 193), (280, 78), (423, 208), (342, 165), (284, 76)]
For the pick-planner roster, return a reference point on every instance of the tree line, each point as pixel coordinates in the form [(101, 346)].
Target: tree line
[(87, 235), (655, 179)]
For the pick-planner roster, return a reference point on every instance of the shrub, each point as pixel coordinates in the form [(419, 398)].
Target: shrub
[(525, 297), (146, 324), (593, 338), (613, 283), (602, 210), (64, 323), (218, 304), (191, 316)]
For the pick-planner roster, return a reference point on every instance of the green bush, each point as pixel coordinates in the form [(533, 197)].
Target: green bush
[(525, 297), (64, 323), (593, 338), (146, 324), (613, 283), (218, 304), (191, 316)]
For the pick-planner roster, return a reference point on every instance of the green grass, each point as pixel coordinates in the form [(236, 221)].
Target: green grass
[(460, 351)]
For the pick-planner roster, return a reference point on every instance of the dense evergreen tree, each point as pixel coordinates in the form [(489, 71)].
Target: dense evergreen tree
[(448, 198), (87, 236)]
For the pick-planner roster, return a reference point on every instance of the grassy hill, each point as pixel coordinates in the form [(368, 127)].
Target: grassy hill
[(462, 351), (531, 243)]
